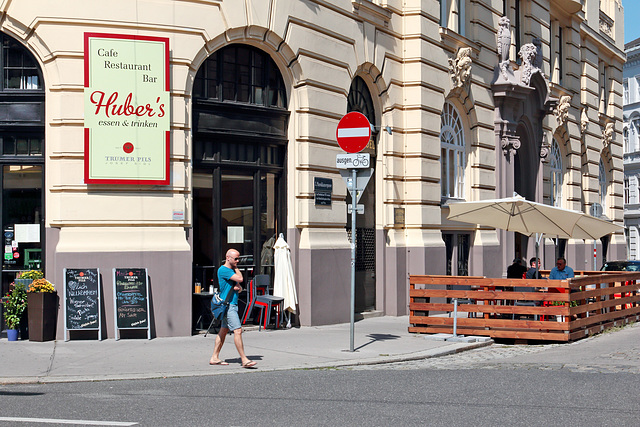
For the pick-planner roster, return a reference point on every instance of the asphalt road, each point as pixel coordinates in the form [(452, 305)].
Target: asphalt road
[(594, 382)]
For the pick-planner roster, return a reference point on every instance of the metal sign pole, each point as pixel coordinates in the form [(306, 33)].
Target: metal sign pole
[(353, 257)]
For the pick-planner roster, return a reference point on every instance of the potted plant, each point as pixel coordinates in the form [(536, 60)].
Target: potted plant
[(43, 310), (27, 277), (15, 303)]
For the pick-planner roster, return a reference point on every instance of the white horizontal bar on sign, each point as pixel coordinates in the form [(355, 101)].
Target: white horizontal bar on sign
[(62, 421), (352, 132)]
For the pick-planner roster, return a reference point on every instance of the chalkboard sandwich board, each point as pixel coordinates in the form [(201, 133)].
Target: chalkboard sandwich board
[(82, 300), (131, 299)]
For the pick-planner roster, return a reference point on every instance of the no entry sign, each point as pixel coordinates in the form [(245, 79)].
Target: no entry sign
[(354, 132)]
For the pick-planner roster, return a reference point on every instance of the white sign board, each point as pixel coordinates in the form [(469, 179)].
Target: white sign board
[(359, 209), (27, 233), (353, 161)]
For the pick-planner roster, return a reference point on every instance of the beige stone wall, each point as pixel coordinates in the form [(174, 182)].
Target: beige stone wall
[(396, 46)]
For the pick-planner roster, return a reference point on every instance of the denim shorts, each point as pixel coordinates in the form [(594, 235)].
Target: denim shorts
[(231, 319)]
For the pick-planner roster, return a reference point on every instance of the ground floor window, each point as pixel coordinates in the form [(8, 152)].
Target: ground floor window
[(457, 247)]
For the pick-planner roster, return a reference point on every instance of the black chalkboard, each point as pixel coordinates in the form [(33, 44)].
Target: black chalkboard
[(131, 292), (82, 298)]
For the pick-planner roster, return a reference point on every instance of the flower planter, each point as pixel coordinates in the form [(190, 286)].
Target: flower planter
[(43, 315), (12, 334)]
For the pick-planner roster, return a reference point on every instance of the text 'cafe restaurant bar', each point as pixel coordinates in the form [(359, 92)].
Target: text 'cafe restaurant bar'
[(127, 144)]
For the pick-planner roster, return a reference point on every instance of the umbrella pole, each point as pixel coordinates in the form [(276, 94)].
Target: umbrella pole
[(538, 238)]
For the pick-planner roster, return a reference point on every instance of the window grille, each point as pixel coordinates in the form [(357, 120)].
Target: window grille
[(453, 155), (556, 175)]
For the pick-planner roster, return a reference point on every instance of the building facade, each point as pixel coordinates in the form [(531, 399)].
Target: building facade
[(467, 99), (631, 127)]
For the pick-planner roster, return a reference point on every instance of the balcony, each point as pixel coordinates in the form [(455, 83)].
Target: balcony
[(569, 6)]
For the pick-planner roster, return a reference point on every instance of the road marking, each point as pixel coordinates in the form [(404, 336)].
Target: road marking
[(56, 421)]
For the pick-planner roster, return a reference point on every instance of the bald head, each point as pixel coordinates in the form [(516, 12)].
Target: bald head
[(232, 258)]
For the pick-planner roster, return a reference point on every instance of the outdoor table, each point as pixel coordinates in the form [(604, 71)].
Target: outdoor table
[(202, 309)]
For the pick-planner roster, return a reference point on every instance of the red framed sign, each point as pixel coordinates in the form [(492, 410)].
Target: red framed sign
[(127, 136)]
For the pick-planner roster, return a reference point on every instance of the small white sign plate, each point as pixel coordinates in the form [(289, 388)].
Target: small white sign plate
[(353, 160), (359, 209)]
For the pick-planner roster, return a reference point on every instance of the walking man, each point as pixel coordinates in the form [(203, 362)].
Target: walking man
[(229, 280)]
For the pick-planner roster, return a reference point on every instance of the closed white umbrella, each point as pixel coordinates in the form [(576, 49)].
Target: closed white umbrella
[(284, 284)]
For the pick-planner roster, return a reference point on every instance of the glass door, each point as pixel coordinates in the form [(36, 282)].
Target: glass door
[(234, 209), (21, 220), (237, 203)]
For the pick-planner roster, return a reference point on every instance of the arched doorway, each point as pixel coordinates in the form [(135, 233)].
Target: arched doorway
[(21, 160), (359, 99), (240, 120)]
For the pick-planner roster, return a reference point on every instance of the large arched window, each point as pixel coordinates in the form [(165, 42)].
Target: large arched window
[(240, 138), (20, 71), (452, 154), (555, 178), (359, 99), (602, 184), (240, 73)]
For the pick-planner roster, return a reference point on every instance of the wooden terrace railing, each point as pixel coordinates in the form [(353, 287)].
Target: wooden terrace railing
[(554, 310)]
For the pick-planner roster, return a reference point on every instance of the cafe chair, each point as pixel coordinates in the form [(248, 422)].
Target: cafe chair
[(265, 302)]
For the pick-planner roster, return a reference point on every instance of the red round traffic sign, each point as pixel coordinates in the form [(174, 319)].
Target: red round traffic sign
[(353, 132)]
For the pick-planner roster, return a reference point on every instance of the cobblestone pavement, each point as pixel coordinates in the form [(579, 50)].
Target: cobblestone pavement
[(598, 354)]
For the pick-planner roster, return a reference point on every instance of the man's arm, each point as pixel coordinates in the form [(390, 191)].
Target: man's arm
[(237, 277)]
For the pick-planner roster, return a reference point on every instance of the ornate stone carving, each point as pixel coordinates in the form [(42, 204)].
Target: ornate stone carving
[(562, 110), (460, 67), (510, 145), (607, 135), (504, 45), (545, 149), (584, 120), (527, 54)]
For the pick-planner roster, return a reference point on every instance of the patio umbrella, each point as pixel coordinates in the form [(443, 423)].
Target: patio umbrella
[(526, 217), (283, 282)]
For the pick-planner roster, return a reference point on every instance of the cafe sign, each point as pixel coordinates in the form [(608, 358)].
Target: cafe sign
[(126, 109)]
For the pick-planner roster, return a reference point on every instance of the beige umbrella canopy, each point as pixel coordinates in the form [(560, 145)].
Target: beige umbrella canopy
[(526, 217)]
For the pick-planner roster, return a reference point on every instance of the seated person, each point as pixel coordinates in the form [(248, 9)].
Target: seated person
[(561, 271), (516, 270), (532, 272)]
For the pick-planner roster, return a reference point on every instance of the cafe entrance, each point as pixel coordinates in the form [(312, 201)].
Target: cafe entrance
[(239, 150)]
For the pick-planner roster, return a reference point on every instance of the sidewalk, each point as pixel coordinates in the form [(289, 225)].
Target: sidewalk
[(377, 340)]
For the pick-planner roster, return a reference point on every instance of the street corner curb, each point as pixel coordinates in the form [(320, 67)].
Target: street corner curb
[(453, 348)]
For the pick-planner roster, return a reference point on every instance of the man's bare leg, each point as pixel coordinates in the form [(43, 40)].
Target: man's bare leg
[(222, 334), (237, 339)]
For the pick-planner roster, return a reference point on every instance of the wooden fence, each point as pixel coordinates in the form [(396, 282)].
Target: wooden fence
[(555, 310)]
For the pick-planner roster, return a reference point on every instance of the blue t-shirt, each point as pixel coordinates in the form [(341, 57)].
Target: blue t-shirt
[(556, 274), (226, 284)]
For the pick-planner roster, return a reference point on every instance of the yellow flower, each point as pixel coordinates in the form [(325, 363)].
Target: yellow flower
[(41, 285)]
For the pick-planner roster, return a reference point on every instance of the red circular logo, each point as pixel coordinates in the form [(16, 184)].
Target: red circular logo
[(127, 147), (81, 274), (131, 273)]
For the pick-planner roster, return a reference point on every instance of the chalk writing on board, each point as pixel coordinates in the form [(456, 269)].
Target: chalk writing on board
[(131, 298), (82, 298)]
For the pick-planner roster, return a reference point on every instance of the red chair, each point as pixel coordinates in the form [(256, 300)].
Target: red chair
[(264, 302)]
